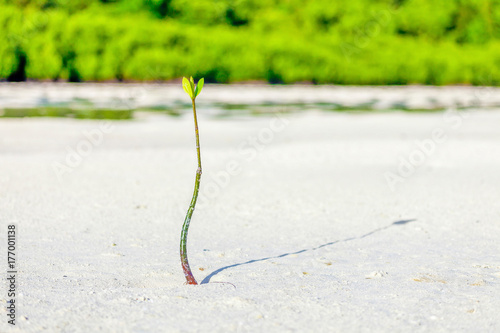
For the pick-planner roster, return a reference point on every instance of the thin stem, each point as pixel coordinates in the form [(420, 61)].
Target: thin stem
[(184, 260)]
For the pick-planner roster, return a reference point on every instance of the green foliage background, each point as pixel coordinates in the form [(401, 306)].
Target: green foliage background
[(278, 41)]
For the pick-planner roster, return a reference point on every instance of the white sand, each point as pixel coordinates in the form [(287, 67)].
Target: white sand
[(309, 231)]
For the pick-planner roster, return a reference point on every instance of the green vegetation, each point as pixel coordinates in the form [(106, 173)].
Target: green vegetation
[(67, 112), (278, 41)]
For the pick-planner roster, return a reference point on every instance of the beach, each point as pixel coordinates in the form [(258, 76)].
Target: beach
[(306, 222)]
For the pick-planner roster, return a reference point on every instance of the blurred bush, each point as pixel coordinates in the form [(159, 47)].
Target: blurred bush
[(344, 42)]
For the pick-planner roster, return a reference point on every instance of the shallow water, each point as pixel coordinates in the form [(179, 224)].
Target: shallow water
[(121, 101)]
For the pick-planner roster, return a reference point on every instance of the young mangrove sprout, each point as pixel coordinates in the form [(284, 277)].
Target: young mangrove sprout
[(192, 91)]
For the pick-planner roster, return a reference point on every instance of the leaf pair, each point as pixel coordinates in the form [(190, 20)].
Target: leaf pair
[(190, 88)]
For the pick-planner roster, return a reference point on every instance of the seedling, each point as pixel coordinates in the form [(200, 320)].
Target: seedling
[(192, 91)]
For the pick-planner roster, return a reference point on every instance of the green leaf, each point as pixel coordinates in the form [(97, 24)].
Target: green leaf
[(199, 86), (187, 87), (192, 85)]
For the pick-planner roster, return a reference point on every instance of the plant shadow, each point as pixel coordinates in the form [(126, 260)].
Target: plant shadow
[(214, 273)]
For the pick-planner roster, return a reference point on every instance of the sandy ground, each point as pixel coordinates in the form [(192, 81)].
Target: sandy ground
[(323, 222)]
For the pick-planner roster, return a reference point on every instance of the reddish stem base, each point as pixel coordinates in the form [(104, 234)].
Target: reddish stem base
[(189, 276)]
